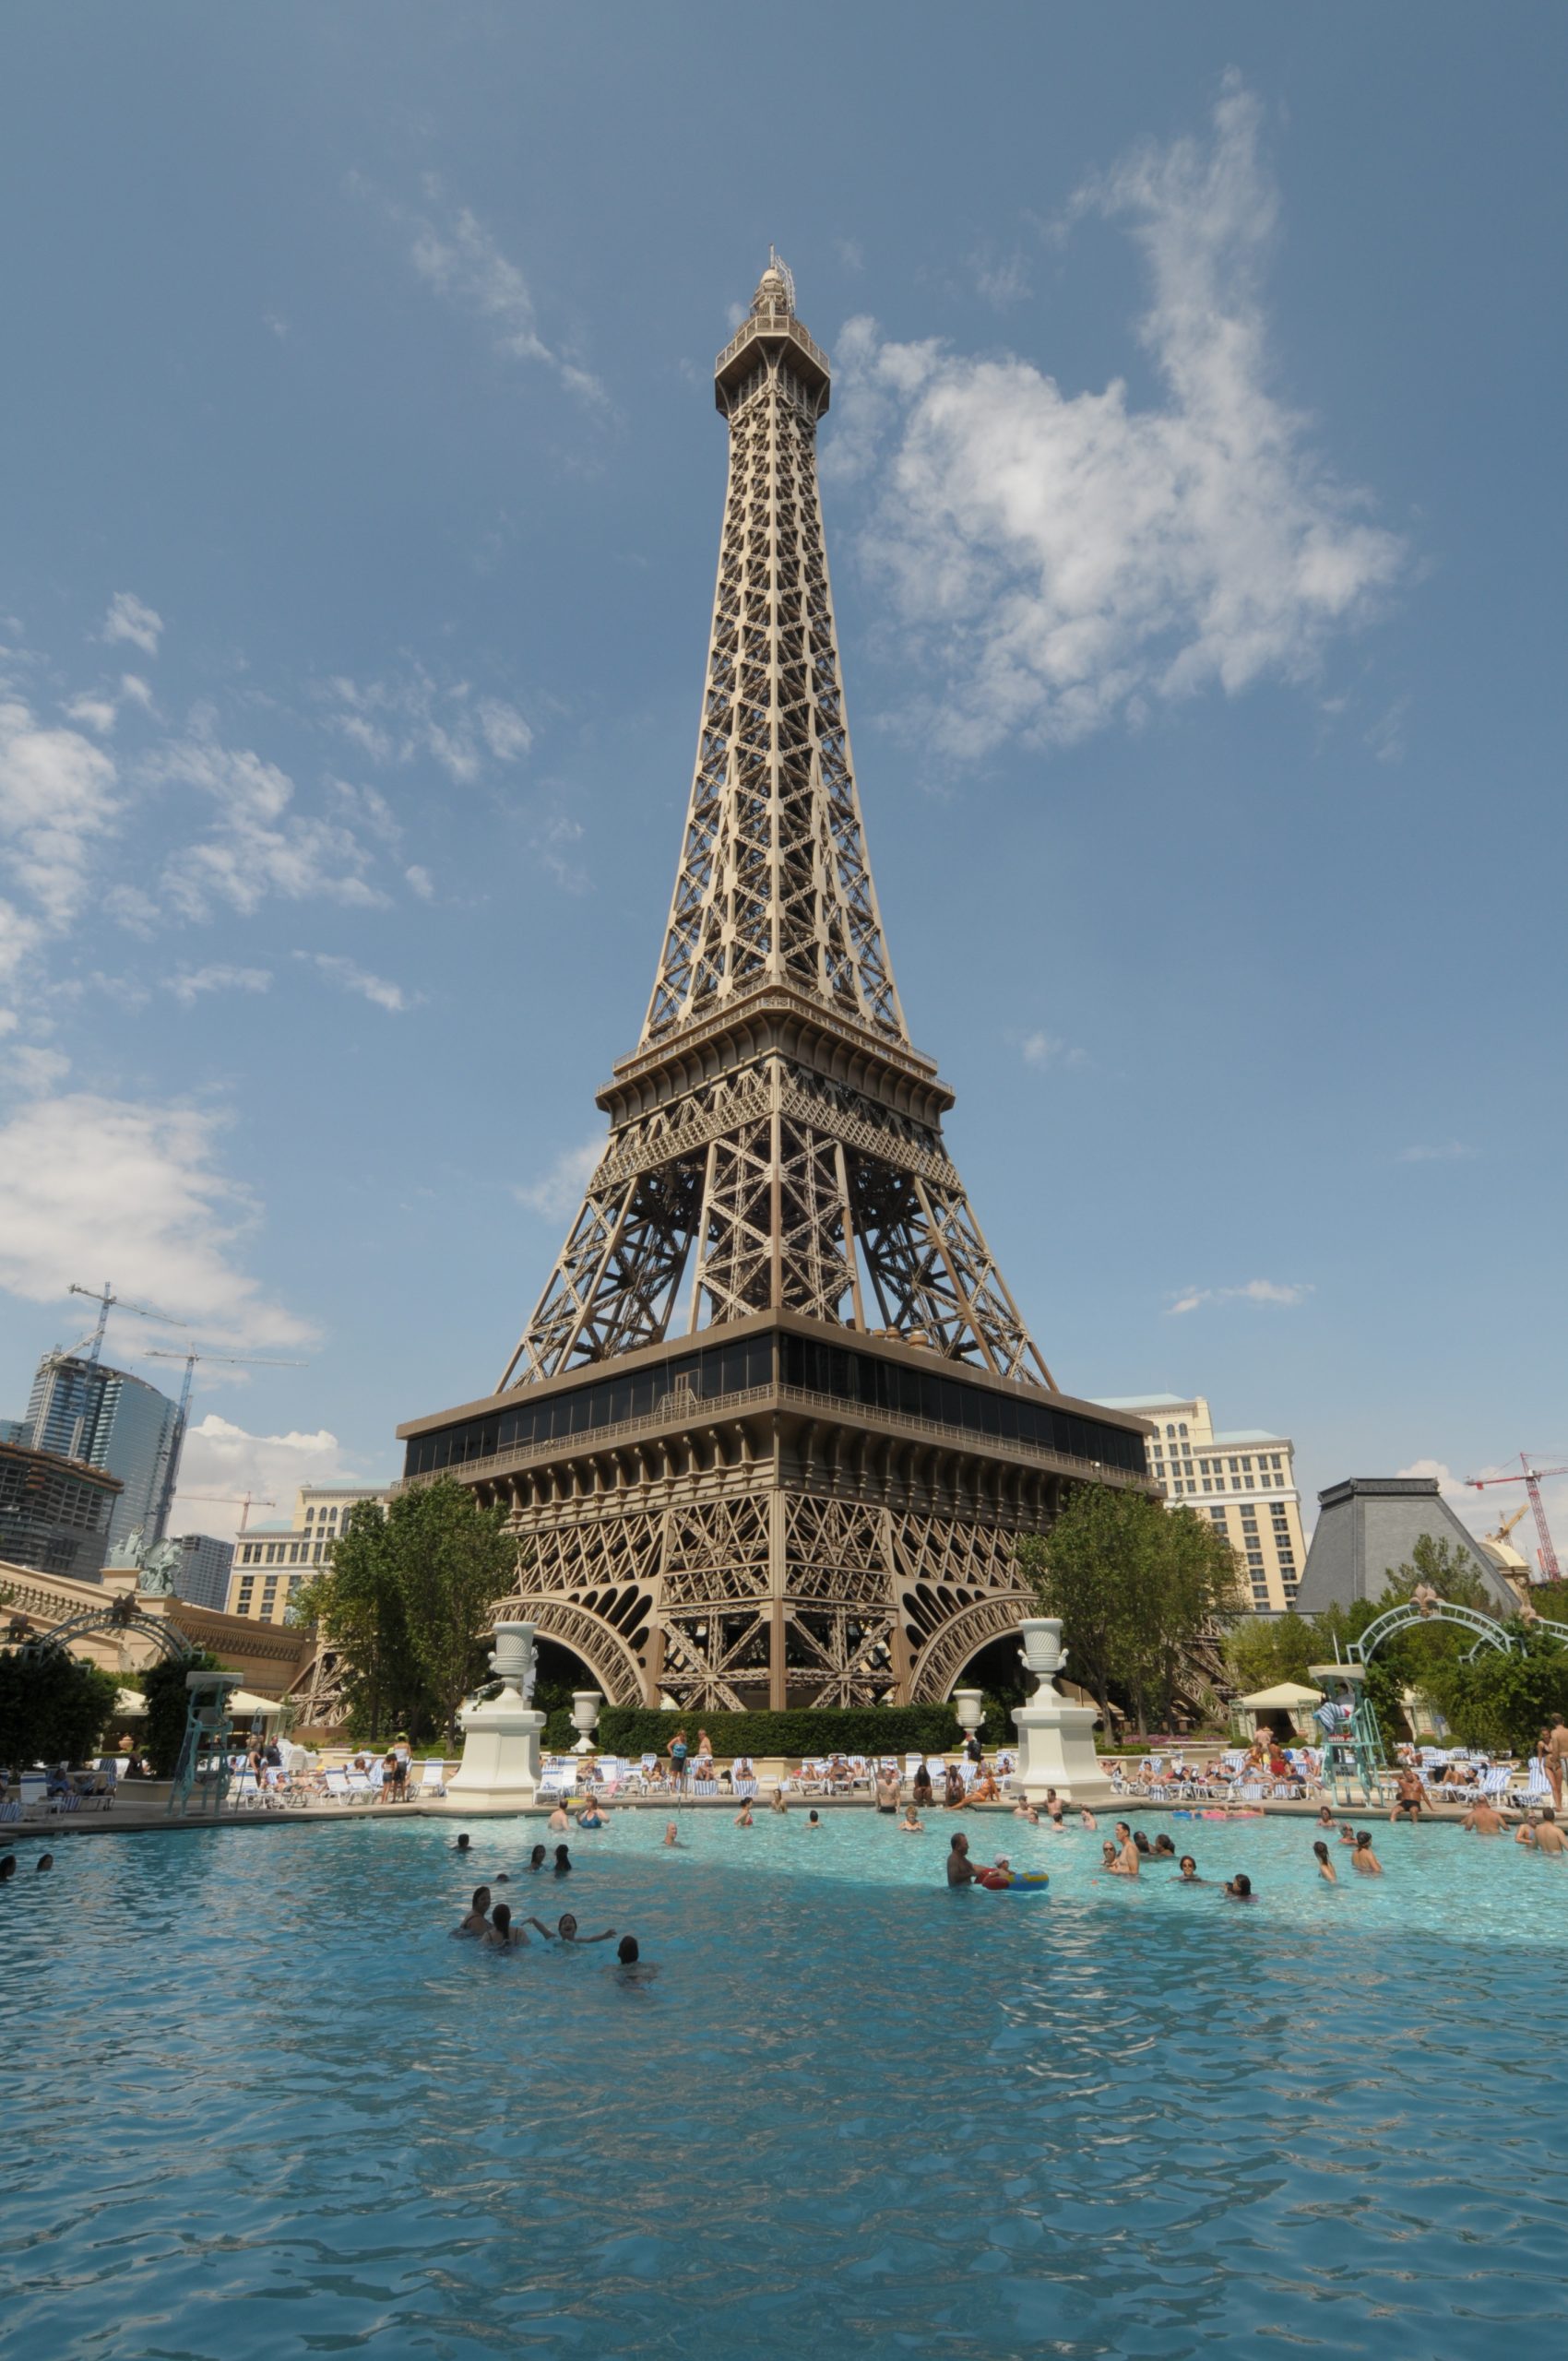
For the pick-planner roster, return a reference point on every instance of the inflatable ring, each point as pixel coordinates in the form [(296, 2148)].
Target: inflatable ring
[(1015, 1882)]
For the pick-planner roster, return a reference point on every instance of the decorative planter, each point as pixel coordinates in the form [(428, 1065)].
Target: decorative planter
[(969, 1706), (587, 1707), (1043, 1653)]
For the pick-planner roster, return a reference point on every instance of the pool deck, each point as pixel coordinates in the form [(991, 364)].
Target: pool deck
[(125, 1820)]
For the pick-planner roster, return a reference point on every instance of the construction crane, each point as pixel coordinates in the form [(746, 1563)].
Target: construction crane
[(160, 1353), (246, 1501), (1531, 1482), (104, 1297)]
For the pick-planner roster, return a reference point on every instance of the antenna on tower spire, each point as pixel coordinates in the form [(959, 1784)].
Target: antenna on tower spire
[(777, 263)]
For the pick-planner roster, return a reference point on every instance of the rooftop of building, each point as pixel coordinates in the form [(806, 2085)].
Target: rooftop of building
[(1247, 1434), (1146, 1401)]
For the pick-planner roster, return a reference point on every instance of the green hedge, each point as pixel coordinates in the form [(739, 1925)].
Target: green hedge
[(873, 1729)]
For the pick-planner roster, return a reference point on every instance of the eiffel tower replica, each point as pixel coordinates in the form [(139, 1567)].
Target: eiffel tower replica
[(776, 1424)]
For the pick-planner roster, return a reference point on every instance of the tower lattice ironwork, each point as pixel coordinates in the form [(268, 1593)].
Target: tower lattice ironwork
[(776, 1422)]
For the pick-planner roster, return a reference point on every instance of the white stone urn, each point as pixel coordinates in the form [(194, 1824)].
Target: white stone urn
[(1042, 1653), (969, 1706), (499, 1770), (587, 1707)]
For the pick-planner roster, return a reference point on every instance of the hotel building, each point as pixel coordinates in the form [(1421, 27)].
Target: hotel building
[(273, 1561), (1243, 1480)]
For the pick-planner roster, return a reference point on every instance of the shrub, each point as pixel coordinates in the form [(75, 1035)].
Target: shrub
[(163, 1686), (864, 1730)]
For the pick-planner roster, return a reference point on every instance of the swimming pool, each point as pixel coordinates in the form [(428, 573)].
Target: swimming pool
[(259, 2102)]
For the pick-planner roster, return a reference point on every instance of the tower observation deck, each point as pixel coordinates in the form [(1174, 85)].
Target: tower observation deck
[(776, 1423)]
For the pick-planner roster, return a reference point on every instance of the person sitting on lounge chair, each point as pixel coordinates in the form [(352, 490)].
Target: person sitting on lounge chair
[(922, 1786)]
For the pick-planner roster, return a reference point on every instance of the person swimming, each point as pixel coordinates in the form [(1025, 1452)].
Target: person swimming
[(565, 1931), (1187, 1871), (478, 1918), (813, 1819), (1239, 1889), (1325, 1868), (563, 1861), (671, 1833), (592, 1817), (744, 1816), (912, 1825), (501, 1935), (462, 1844), (537, 1857)]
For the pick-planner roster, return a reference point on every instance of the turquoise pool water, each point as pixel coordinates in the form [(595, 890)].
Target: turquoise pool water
[(257, 2103)]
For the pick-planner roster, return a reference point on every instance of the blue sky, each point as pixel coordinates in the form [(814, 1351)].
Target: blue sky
[(1194, 502)]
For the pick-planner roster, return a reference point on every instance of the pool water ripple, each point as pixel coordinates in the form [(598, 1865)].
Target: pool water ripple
[(260, 2103)]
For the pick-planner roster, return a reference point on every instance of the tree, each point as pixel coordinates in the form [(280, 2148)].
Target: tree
[(163, 1686), (53, 1708), (1446, 1568), (1500, 1699), (407, 1597), (1134, 1585)]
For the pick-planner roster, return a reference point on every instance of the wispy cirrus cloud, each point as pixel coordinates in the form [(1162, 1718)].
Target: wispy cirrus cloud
[(130, 618), (258, 844), (1286, 1293), (397, 720), (192, 984), (558, 1193), (1064, 560), (1040, 1048), (1439, 1152), (349, 978), (460, 259), (59, 798)]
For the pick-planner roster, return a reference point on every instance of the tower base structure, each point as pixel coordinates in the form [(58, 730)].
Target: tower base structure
[(787, 1516)]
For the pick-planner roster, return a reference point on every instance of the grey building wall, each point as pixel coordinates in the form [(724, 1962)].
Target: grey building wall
[(53, 1513), (1367, 1527), (203, 1577), (109, 1419)]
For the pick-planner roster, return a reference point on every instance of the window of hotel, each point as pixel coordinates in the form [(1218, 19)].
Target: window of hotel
[(1182, 1428)]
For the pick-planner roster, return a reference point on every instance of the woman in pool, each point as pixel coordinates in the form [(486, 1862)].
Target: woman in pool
[(536, 1859), (563, 1862), (595, 1817), (912, 1825), (566, 1929), (1164, 1849), (478, 1920), (776, 1803), (744, 1816), (501, 1935), (1187, 1871), (1325, 1868), (1240, 1890)]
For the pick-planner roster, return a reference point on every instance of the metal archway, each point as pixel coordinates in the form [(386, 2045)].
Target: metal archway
[(123, 1615), (1490, 1632)]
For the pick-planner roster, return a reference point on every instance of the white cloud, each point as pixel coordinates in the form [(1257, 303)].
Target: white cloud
[(1444, 1152), (552, 845), (558, 1193), (456, 254), (1040, 1048), (259, 845), (395, 721), (57, 801), (191, 982), (421, 880), (89, 1182), (130, 618), (132, 686), (1065, 560), (1484, 1512), (1272, 1291), (94, 713), (222, 1458), (351, 978), (36, 1072)]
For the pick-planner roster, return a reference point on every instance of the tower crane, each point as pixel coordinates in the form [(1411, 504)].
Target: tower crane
[(161, 1353), (1531, 1482), (246, 1501), (104, 1297)]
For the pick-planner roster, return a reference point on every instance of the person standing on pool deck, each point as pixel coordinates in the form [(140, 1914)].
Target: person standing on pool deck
[(1556, 1757), (960, 1869), (1364, 1860), (677, 1751)]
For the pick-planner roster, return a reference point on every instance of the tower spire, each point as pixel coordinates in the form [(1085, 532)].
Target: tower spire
[(773, 887), (775, 1134)]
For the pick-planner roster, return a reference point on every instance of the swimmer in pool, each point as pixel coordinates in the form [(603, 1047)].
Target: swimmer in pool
[(1364, 1860), (671, 1833), (1187, 1871), (912, 1825), (630, 1966), (501, 1935), (744, 1816), (595, 1817), (462, 1846), (478, 1920), (1325, 1868), (536, 1859), (1240, 1890), (566, 1930), (1087, 1819), (559, 1819), (1026, 1812), (813, 1821), (1164, 1849), (960, 1869), (775, 1801)]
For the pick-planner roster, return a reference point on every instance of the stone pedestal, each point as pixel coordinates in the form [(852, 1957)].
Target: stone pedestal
[(500, 1767), (1055, 1739)]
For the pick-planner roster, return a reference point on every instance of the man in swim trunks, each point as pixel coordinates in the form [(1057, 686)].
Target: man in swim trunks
[(1556, 1759), (960, 1869), (1128, 1852), (1409, 1795), (1549, 1836), (1483, 1819)]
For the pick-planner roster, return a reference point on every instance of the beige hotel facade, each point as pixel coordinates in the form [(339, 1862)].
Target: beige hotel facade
[(1243, 1480), (271, 1562)]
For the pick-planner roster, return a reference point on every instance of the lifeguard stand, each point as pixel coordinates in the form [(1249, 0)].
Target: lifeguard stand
[(207, 1724), (1352, 1748)]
